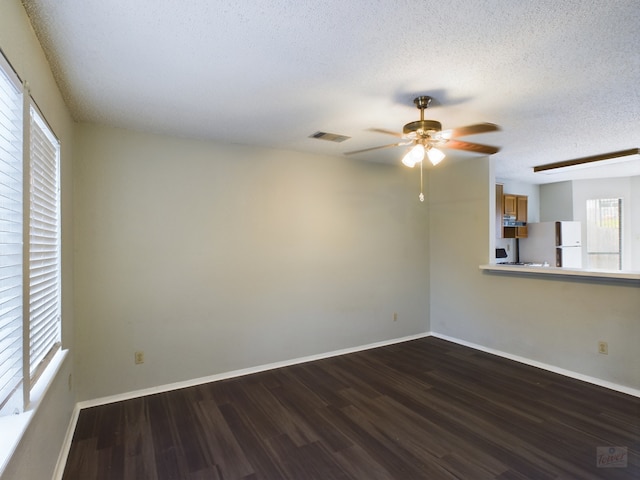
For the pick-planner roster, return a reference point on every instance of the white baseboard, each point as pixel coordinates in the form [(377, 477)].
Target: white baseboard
[(239, 373), (261, 368), (66, 445), (544, 366)]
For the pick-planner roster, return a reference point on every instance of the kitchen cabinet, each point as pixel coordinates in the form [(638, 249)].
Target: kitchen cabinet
[(521, 232), (521, 208), (499, 209), (510, 204), (516, 207)]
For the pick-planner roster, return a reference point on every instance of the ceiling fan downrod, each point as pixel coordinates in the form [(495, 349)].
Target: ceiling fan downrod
[(422, 126)]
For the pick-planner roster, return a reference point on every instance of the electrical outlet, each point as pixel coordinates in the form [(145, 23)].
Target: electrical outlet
[(603, 348), (139, 357), (395, 316)]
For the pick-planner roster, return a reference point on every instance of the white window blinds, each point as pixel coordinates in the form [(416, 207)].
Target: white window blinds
[(11, 231), (44, 244), (29, 243)]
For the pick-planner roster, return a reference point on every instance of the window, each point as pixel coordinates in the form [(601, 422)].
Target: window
[(29, 243), (44, 245), (604, 233)]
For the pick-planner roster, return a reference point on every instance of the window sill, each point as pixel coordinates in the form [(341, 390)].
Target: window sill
[(14, 426), (631, 277)]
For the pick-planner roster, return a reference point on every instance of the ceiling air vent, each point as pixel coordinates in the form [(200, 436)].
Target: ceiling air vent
[(331, 137)]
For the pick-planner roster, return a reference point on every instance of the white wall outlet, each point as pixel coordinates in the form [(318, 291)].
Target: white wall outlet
[(603, 348), (139, 357)]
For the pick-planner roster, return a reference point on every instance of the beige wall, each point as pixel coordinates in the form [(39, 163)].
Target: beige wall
[(37, 453), (553, 321), (213, 258)]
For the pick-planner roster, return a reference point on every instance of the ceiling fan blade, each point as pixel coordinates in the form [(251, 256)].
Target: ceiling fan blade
[(470, 130), (471, 147), (377, 148), (388, 132)]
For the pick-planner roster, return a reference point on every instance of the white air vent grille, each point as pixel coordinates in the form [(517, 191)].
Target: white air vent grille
[(330, 137)]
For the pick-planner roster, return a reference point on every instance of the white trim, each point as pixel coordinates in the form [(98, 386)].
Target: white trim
[(239, 373), (66, 444), (545, 366), (14, 426), (8, 69)]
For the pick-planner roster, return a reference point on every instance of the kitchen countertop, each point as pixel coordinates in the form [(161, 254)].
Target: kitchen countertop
[(571, 272)]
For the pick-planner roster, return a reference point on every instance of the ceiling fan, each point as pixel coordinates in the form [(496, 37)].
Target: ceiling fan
[(427, 137)]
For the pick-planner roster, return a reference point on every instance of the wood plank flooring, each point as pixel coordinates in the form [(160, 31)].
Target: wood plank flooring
[(424, 409)]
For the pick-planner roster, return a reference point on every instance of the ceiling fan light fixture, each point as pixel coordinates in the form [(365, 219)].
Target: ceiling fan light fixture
[(426, 135), (413, 156), (435, 155)]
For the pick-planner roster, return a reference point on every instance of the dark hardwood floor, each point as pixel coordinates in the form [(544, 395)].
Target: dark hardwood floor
[(424, 409)]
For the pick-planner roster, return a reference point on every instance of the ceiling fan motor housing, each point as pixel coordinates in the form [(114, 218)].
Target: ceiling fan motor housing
[(422, 127)]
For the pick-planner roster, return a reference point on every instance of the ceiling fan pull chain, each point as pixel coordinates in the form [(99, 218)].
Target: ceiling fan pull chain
[(421, 196)]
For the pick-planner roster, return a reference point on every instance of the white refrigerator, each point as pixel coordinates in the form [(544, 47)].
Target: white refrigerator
[(555, 243)]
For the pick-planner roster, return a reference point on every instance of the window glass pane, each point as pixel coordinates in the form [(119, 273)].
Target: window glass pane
[(604, 230)]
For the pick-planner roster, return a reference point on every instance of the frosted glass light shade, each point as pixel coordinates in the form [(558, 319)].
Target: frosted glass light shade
[(413, 156), (435, 156)]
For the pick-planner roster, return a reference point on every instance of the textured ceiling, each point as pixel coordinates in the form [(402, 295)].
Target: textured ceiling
[(562, 78)]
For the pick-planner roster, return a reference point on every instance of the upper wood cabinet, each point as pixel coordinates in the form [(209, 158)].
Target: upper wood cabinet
[(521, 208), (510, 204), (499, 209), (515, 205)]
